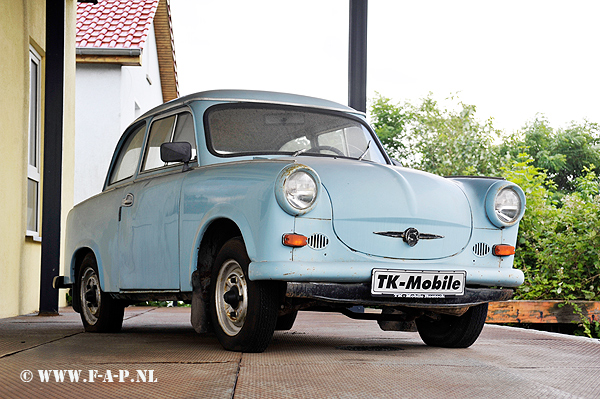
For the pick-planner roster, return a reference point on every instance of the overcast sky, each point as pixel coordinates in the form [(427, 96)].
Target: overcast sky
[(512, 59)]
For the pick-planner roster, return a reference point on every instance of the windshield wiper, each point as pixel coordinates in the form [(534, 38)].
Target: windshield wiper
[(365, 152), (302, 151)]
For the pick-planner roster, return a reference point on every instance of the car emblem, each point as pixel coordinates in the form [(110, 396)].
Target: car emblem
[(411, 236)]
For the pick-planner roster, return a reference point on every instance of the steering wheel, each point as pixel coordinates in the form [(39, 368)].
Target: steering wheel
[(327, 148)]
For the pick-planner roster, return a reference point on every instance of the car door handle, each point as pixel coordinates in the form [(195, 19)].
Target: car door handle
[(126, 202)]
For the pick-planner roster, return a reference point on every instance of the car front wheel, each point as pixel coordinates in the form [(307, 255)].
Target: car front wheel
[(453, 331), (243, 312), (99, 312)]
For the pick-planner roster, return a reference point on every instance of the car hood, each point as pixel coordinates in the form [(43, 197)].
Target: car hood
[(375, 205)]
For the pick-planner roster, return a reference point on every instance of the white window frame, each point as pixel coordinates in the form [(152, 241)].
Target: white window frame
[(33, 170)]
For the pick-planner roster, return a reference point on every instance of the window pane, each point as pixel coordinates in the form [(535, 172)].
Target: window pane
[(333, 139), (261, 129), (184, 131), (160, 132), (129, 156), (296, 145), (33, 113), (358, 140), (32, 205)]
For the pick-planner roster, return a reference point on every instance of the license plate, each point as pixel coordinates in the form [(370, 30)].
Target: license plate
[(417, 284)]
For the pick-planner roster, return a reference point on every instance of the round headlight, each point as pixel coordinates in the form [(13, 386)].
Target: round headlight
[(504, 204), (300, 190), (297, 189), (507, 205)]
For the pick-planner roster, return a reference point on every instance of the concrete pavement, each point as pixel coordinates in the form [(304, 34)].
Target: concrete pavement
[(158, 354)]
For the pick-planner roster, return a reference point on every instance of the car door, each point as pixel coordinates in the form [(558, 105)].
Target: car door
[(120, 177), (149, 226)]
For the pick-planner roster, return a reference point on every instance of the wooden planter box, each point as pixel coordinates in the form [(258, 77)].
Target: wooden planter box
[(540, 312)]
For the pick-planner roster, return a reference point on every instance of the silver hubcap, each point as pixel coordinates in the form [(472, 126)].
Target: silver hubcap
[(231, 297), (90, 296)]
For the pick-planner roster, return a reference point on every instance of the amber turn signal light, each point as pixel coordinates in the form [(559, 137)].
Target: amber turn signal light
[(294, 240), (503, 250)]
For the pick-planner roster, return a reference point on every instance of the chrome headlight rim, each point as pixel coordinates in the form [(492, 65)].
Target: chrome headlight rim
[(490, 203), (280, 188)]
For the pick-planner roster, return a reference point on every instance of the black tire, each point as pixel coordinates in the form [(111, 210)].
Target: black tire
[(243, 312), (453, 331), (99, 312), (286, 322)]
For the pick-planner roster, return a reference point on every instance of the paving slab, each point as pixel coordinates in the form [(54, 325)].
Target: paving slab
[(325, 355)]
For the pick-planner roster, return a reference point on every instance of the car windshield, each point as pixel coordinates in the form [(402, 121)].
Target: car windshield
[(244, 129)]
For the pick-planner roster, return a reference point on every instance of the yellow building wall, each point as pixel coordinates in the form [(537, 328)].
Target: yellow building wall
[(22, 23), (68, 173)]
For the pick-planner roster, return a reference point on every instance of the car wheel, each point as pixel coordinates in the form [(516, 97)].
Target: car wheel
[(243, 312), (453, 331), (99, 312), (286, 322)]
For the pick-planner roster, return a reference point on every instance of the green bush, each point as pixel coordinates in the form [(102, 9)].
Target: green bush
[(558, 242)]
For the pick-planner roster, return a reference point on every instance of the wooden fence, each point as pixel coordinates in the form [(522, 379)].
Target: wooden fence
[(540, 312)]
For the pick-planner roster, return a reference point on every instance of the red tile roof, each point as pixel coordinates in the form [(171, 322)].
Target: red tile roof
[(114, 23)]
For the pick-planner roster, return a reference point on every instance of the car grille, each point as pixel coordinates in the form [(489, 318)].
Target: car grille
[(317, 241), (481, 249)]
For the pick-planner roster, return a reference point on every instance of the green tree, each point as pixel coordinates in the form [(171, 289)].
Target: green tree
[(389, 122), (562, 153), (439, 140)]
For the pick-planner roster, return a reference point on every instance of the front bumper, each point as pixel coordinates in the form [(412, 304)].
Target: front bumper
[(360, 294), (360, 272)]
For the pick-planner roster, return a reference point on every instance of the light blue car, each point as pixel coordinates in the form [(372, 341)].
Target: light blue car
[(254, 205)]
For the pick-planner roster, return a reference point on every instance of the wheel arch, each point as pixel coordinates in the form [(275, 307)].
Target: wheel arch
[(217, 233)]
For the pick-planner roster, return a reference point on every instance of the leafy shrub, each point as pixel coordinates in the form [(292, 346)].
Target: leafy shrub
[(558, 243)]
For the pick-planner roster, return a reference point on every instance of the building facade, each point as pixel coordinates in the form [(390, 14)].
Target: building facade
[(125, 66), (22, 132)]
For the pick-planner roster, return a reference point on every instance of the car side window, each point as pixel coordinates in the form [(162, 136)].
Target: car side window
[(160, 132), (129, 156), (184, 131), (173, 128)]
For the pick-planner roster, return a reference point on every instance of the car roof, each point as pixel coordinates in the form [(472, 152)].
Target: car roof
[(256, 96)]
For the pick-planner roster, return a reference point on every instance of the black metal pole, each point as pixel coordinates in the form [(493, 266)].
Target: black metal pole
[(357, 60), (53, 140)]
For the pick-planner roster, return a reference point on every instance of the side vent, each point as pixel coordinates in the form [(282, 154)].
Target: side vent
[(317, 241), (481, 249)]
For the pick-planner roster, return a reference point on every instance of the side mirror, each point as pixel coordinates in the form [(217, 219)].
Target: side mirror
[(176, 152)]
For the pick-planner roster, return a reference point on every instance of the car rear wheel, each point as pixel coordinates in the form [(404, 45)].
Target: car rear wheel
[(99, 312), (243, 312), (453, 331)]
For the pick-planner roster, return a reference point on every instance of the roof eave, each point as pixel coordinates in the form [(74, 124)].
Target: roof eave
[(165, 47), (103, 55)]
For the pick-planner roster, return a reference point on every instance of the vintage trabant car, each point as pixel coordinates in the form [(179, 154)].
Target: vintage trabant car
[(254, 205)]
